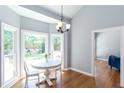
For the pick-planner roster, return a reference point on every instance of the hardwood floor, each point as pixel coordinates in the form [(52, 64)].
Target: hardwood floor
[(105, 78)]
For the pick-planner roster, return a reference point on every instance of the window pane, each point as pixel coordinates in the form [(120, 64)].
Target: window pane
[(8, 45), (57, 44), (9, 55), (35, 46)]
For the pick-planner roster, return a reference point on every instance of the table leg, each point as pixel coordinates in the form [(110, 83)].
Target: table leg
[(49, 82), (52, 75), (41, 81), (47, 77)]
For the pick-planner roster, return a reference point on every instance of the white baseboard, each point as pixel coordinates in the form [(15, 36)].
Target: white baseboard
[(11, 84), (121, 85), (102, 59), (66, 69), (89, 74)]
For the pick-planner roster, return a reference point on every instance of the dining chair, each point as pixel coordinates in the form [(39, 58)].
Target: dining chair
[(30, 74)]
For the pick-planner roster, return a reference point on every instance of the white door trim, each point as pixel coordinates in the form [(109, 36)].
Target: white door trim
[(121, 51), (122, 58)]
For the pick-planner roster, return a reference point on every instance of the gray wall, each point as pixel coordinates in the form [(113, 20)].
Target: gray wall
[(9, 17), (107, 43), (35, 25), (52, 28), (87, 19)]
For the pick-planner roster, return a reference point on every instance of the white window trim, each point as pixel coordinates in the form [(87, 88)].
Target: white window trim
[(23, 31), (4, 25), (63, 43)]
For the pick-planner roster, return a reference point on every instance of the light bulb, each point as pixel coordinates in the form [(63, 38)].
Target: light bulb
[(60, 24), (57, 27), (67, 26)]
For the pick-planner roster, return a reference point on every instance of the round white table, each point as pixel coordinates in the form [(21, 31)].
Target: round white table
[(49, 64)]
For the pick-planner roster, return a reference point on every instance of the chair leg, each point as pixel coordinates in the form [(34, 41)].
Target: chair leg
[(26, 82), (111, 66), (55, 75), (61, 77), (38, 80)]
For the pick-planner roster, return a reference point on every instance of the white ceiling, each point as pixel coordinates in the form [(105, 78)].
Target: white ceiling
[(32, 14), (68, 10)]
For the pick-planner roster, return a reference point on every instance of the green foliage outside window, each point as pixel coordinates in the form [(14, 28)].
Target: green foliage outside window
[(57, 43), (8, 39)]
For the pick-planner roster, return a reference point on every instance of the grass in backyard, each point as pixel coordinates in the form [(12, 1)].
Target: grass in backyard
[(34, 56)]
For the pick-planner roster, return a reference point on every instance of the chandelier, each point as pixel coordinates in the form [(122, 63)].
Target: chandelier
[(62, 26)]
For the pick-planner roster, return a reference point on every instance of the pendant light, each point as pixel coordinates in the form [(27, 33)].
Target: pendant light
[(62, 26)]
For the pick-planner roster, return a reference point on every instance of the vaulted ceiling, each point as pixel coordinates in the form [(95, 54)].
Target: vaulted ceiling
[(68, 10), (47, 13)]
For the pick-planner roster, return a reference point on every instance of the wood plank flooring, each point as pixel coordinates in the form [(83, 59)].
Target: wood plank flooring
[(105, 78)]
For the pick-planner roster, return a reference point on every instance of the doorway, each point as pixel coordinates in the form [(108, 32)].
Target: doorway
[(94, 49)]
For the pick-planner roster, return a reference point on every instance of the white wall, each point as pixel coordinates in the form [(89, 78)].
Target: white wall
[(90, 18), (107, 43)]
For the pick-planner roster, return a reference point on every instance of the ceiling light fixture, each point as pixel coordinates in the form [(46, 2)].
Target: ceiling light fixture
[(62, 26)]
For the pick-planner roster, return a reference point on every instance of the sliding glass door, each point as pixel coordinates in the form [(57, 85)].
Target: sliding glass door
[(9, 54)]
